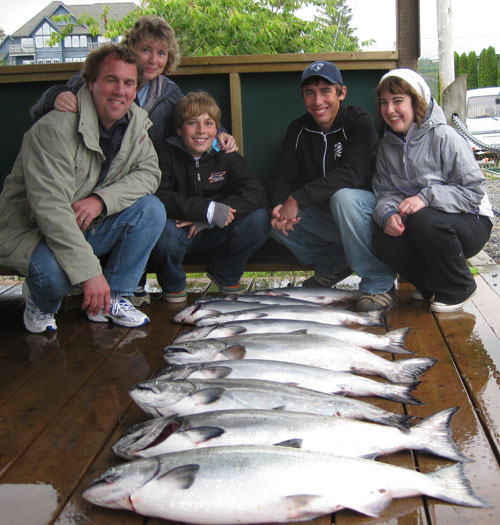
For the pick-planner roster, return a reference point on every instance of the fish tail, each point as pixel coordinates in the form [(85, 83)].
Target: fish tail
[(450, 484), (401, 392), (410, 369), (374, 318), (398, 336), (435, 432)]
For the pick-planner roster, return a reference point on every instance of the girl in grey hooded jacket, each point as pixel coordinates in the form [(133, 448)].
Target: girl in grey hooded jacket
[(432, 210)]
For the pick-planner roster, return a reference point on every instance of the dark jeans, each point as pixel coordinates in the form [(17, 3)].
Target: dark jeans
[(432, 253), (228, 248)]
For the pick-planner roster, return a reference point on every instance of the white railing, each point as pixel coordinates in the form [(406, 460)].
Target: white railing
[(19, 49)]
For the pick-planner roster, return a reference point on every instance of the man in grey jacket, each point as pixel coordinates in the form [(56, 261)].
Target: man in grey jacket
[(81, 188)]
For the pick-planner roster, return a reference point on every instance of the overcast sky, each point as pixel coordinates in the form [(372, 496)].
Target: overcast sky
[(475, 24)]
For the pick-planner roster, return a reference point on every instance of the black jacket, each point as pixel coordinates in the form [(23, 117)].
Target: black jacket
[(313, 165), (188, 186)]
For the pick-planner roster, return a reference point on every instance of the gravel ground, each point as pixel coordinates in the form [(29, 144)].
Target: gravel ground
[(492, 247)]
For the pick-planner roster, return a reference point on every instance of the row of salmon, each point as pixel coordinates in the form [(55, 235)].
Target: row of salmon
[(256, 418)]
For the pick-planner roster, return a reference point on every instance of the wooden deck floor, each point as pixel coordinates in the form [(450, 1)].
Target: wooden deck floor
[(64, 402)]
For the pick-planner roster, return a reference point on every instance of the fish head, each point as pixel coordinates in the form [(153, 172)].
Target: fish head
[(115, 487), (194, 351), (160, 393), (185, 313), (143, 437), (195, 334)]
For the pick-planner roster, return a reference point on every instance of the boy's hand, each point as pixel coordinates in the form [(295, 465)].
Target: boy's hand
[(227, 142)]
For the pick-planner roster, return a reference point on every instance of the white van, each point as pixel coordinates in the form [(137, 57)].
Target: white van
[(483, 118)]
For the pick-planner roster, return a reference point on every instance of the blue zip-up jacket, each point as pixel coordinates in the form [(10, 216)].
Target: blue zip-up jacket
[(433, 162), (313, 165)]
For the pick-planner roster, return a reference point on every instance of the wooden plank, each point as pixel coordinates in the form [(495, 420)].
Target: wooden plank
[(236, 110), (82, 427), (442, 388), (475, 349)]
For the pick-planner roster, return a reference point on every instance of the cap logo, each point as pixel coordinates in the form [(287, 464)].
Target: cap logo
[(317, 67)]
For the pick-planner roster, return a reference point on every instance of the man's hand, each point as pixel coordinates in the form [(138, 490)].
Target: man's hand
[(96, 295), (86, 210), (227, 142), (278, 223), (394, 226), (66, 101), (289, 210)]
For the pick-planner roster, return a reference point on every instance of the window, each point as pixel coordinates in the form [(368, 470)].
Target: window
[(67, 41), (42, 36)]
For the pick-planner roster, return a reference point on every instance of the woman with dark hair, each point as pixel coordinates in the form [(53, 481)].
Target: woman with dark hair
[(432, 209)]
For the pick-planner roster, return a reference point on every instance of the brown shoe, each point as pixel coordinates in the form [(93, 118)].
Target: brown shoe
[(378, 301), (326, 280)]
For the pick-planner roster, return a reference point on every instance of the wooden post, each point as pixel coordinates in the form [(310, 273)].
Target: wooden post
[(445, 45), (408, 33), (236, 109)]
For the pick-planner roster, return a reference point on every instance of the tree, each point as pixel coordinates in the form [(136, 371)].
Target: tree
[(491, 67), (2, 34), (472, 70), (456, 61), (238, 27), (462, 64)]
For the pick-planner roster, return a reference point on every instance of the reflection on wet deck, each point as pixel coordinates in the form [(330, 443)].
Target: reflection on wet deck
[(64, 402)]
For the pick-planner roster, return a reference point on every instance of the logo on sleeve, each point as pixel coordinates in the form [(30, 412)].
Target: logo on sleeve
[(337, 150), (216, 177)]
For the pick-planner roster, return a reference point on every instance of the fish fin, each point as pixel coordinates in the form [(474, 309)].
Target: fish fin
[(281, 407), (202, 434), (369, 502), (235, 352), (181, 477), (450, 484), (436, 435), (215, 372), (305, 506), (291, 443), (207, 395), (375, 317), (400, 392), (299, 332)]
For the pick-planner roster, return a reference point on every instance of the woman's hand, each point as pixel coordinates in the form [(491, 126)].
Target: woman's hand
[(66, 101), (411, 205), (227, 142), (394, 226)]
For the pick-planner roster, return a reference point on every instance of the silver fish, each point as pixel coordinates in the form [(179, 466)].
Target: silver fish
[(320, 314), (257, 484), (315, 295), (333, 435), (196, 311), (312, 350), (161, 397), (262, 299), (390, 342), (305, 376)]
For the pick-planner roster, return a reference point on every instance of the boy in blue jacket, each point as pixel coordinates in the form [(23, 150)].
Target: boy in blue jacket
[(214, 203)]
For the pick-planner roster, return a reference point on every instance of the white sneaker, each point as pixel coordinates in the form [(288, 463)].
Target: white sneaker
[(121, 312), (443, 308), (35, 320)]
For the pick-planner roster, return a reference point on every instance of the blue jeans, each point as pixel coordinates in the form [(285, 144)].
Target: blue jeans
[(342, 237), (127, 239), (229, 248)]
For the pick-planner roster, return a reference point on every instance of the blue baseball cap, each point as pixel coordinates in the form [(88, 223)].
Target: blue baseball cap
[(330, 72)]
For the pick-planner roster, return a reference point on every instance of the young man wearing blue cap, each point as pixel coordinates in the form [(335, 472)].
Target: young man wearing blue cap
[(321, 190)]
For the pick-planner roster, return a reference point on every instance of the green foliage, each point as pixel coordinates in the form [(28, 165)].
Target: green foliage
[(237, 27), (456, 61), (472, 75), (490, 67), (462, 64)]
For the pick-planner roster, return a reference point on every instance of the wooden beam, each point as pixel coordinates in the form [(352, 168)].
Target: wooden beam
[(408, 33), (236, 109)]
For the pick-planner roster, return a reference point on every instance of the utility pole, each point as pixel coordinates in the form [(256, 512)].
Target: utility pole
[(445, 44)]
